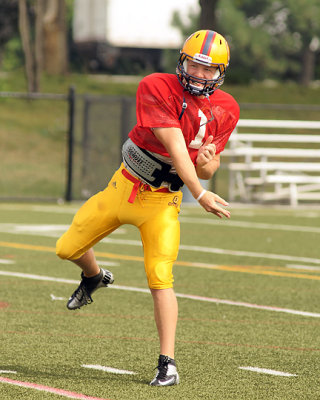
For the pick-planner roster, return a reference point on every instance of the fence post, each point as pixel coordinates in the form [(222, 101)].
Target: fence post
[(71, 102), (85, 136), (125, 121)]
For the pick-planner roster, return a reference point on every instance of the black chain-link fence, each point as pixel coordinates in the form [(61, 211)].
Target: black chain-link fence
[(60, 146), (107, 121), (33, 152)]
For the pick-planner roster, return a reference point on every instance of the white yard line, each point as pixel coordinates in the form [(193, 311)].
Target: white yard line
[(4, 371), (57, 298), (38, 277), (108, 263), (42, 228), (181, 295), (238, 253), (267, 371), (5, 261), (39, 208), (57, 230), (109, 369), (48, 230), (305, 267), (249, 305), (251, 225)]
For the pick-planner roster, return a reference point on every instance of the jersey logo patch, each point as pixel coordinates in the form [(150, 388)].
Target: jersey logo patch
[(174, 202)]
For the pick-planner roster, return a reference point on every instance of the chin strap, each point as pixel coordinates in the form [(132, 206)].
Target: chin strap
[(184, 107)]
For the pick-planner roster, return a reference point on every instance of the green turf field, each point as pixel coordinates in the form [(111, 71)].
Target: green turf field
[(249, 315)]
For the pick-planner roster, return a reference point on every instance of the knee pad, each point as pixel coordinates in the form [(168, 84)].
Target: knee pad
[(61, 250)]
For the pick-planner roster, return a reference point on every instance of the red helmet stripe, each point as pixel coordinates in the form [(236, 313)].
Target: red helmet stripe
[(207, 43)]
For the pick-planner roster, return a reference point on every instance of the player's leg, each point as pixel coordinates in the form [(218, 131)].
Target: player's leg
[(88, 263), (93, 221), (161, 236), (166, 316), (92, 278)]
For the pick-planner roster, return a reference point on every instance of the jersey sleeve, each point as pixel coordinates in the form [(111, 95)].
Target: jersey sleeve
[(155, 104)]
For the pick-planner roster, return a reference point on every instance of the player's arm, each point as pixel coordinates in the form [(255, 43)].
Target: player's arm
[(207, 161), (173, 141)]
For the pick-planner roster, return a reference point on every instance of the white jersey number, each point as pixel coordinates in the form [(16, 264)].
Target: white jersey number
[(196, 143)]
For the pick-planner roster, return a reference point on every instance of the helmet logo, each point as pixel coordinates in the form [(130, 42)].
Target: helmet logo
[(202, 58)]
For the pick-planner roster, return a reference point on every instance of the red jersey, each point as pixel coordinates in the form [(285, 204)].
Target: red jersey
[(159, 105)]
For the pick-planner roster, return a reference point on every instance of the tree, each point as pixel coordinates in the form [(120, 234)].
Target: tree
[(208, 14), (32, 72), (302, 23), (250, 45), (48, 50), (282, 37), (267, 38), (8, 22), (55, 54), (207, 19)]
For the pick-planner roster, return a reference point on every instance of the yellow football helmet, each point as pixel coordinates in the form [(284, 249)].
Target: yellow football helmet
[(208, 48)]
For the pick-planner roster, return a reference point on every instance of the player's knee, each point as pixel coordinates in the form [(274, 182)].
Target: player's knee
[(160, 285), (160, 277), (62, 250)]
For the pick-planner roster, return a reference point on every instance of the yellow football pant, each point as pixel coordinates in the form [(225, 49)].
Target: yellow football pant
[(154, 213)]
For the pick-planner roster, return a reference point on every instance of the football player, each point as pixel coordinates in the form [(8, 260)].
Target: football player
[(183, 124)]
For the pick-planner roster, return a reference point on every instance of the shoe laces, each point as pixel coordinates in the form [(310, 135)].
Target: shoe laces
[(81, 293), (163, 367)]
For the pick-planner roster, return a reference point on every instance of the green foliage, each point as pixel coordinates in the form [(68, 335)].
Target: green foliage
[(12, 55), (278, 35), (188, 27), (267, 38), (8, 20)]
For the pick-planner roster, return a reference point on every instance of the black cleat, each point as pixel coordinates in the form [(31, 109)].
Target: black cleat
[(82, 295), (167, 374)]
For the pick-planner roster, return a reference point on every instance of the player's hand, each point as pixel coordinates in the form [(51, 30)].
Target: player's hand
[(209, 202), (206, 152)]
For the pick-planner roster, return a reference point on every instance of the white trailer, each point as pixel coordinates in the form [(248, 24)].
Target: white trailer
[(104, 31)]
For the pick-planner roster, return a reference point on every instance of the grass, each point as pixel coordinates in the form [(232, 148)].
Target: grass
[(238, 260)]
